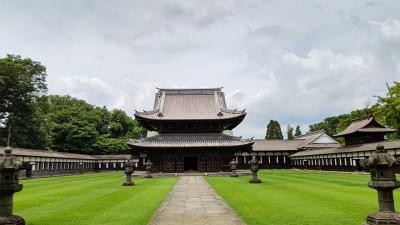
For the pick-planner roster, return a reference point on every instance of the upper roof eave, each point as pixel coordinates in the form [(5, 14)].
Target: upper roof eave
[(152, 115)]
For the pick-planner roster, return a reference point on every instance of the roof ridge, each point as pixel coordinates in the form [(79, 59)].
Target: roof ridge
[(310, 133), (233, 111), (145, 112), (311, 141), (188, 89), (277, 140), (362, 118)]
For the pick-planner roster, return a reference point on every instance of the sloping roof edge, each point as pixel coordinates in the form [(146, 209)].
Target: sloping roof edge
[(54, 154), (357, 124), (348, 149)]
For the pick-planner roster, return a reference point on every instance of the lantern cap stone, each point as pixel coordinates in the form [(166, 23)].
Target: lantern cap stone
[(8, 150), (8, 161), (380, 158), (380, 149)]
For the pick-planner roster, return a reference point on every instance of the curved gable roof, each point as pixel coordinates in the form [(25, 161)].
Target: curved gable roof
[(190, 104), (364, 124)]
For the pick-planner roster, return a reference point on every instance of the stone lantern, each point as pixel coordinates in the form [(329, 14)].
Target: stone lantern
[(233, 164), (148, 169), (9, 184), (128, 171), (254, 164), (383, 178)]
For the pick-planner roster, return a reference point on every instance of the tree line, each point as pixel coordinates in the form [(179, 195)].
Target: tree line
[(274, 131), (29, 118), (386, 111)]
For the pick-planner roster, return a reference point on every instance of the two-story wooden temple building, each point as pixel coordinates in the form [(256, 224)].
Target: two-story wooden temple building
[(190, 127)]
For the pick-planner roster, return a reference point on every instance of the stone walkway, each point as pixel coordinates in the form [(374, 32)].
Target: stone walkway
[(193, 201)]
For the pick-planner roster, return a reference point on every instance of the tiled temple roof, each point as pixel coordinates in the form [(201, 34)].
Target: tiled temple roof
[(277, 145), (50, 154), (309, 140), (190, 104), (64, 155), (190, 140), (364, 124), (348, 149)]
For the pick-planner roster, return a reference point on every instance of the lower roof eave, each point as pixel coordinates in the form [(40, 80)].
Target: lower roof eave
[(243, 146)]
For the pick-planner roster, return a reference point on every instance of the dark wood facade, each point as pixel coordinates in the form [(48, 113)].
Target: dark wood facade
[(189, 125), (181, 160)]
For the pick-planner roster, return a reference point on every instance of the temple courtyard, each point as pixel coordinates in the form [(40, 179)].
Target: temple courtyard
[(285, 197)]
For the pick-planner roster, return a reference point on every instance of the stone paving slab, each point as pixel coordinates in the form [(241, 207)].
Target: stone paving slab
[(192, 202)]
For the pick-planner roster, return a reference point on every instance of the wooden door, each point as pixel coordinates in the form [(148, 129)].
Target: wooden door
[(168, 163), (179, 164), (226, 159), (202, 164), (156, 160), (212, 163)]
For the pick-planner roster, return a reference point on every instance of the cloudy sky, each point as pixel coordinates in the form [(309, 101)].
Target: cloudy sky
[(293, 61)]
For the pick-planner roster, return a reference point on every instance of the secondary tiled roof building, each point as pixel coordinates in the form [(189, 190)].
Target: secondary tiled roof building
[(364, 130), (361, 138), (275, 153)]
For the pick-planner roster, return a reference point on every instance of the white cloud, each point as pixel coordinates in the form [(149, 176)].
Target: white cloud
[(324, 59), (139, 96), (293, 61), (91, 89), (390, 28)]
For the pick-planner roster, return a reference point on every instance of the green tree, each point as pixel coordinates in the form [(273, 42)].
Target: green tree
[(109, 145), (74, 125), (137, 131), (329, 125), (298, 131), (120, 124), (273, 131), (388, 109), (289, 132), (334, 124), (22, 81)]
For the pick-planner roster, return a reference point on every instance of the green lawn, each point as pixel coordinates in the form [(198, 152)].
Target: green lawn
[(289, 197), (90, 199)]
